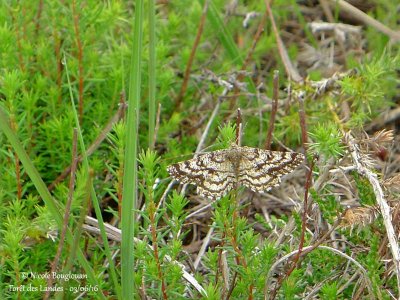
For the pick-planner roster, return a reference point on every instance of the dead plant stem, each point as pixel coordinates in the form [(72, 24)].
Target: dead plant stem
[(273, 111), (192, 55), (363, 170)]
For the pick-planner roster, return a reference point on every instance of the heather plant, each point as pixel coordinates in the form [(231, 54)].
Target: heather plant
[(98, 99)]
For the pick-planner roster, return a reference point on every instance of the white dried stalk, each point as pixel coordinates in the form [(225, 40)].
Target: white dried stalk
[(248, 17), (114, 233), (380, 198), (342, 31)]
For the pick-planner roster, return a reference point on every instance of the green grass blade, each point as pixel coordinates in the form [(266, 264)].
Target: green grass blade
[(95, 201), (44, 193), (225, 37), (152, 73), (130, 188)]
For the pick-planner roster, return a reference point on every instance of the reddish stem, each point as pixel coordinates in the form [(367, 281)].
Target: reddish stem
[(152, 212), (191, 57), (249, 55), (273, 111), (60, 247)]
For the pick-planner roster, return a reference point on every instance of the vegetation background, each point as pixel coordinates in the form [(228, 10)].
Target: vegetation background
[(98, 98)]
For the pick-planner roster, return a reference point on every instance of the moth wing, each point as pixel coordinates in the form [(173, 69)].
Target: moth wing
[(210, 172), (263, 169)]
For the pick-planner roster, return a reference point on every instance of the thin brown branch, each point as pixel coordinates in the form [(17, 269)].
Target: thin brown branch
[(273, 110), (60, 66), (232, 287), (304, 217), (303, 123), (38, 17), (256, 38), (295, 262), (191, 57), (60, 247), (291, 71), (14, 126), (240, 259), (233, 233), (153, 227), (367, 20), (327, 11), (18, 39), (249, 55)]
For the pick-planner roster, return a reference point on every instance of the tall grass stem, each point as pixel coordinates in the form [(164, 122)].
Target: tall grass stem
[(130, 188)]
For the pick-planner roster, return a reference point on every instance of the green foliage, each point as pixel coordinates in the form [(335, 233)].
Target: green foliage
[(212, 293), (227, 135), (329, 291), (287, 127), (365, 190), (326, 141), (176, 208), (292, 285), (328, 203), (374, 264), (149, 172), (371, 89), (94, 41)]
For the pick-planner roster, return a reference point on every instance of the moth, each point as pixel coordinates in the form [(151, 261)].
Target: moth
[(218, 172)]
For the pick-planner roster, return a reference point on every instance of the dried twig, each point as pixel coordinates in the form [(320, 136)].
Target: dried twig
[(273, 110), (249, 55), (113, 233), (291, 71), (67, 211), (359, 216), (295, 262), (327, 10), (363, 17), (326, 85), (191, 57), (362, 169), (203, 247), (392, 182), (303, 124)]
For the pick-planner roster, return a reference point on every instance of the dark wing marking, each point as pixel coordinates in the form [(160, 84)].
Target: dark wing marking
[(210, 172), (216, 173), (261, 170)]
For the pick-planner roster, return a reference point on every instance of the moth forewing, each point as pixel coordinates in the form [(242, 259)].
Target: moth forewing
[(216, 173)]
